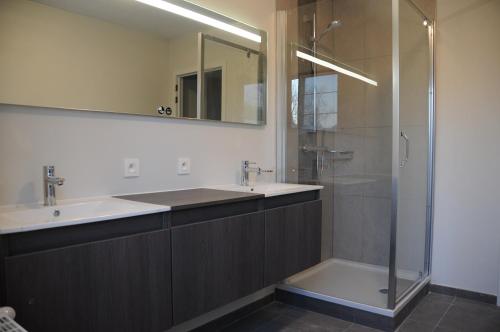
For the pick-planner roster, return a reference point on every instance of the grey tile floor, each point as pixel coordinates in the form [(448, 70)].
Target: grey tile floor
[(435, 313)]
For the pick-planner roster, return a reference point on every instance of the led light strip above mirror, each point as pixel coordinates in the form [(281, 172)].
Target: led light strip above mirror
[(339, 69), (190, 14)]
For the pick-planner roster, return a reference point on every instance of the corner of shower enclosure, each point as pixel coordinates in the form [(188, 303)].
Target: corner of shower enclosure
[(344, 78)]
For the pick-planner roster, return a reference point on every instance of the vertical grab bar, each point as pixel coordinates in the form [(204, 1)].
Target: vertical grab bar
[(407, 149)]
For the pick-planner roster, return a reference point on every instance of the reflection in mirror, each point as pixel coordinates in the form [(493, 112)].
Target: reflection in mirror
[(233, 82), (126, 56)]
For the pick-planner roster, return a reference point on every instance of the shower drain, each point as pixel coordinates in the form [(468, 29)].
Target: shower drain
[(383, 290)]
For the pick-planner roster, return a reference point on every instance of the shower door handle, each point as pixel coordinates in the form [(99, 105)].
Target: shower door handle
[(407, 149)]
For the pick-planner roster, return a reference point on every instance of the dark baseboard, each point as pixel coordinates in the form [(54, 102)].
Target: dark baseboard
[(233, 316), (476, 296), (358, 316)]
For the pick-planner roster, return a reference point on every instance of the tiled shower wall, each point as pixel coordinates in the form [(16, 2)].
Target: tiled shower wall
[(357, 194)]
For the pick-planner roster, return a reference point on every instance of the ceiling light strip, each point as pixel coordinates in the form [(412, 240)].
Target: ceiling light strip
[(169, 7), (344, 71)]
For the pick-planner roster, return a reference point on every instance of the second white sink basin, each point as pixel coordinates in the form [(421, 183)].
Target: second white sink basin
[(269, 189), (72, 213)]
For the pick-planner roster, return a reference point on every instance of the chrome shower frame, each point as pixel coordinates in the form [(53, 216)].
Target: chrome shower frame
[(393, 298), (395, 303)]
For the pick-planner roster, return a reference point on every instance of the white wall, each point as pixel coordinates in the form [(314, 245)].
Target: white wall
[(88, 148), (467, 201), (32, 34)]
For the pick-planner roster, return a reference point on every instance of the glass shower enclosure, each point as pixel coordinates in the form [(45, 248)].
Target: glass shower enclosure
[(357, 112)]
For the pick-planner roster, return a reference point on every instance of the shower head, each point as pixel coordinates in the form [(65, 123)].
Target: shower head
[(332, 25)]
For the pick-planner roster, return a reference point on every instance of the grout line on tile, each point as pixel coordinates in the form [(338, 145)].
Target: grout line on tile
[(444, 314)]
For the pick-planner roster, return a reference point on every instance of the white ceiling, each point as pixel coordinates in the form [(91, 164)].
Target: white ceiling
[(130, 13)]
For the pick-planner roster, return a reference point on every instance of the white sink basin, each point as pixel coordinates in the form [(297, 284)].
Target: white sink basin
[(269, 189), (72, 213)]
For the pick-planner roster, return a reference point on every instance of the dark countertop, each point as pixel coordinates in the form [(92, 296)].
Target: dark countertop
[(192, 198)]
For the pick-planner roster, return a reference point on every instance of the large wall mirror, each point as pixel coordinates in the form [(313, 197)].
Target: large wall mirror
[(147, 57)]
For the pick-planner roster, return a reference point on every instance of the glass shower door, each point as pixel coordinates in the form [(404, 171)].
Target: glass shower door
[(338, 135), (356, 77), (413, 183)]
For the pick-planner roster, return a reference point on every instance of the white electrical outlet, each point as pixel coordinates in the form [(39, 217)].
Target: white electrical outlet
[(183, 166), (131, 168)]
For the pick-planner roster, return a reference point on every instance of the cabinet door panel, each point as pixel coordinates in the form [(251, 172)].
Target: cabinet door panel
[(114, 285), (293, 240), (216, 262)]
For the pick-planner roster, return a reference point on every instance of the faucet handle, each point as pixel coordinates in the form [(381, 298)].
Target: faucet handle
[(55, 181), (247, 162)]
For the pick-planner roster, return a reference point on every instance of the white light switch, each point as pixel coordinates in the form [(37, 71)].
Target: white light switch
[(183, 166), (131, 168)]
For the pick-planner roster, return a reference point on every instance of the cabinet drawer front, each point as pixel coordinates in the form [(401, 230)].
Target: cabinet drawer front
[(208, 213), (293, 240), (113, 285), (59, 237), (215, 263)]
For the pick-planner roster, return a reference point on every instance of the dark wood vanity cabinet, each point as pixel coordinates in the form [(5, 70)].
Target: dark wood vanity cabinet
[(293, 240), (120, 284), (215, 263), (149, 273)]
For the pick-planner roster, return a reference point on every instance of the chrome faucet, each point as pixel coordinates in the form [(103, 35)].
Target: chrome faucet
[(50, 181), (246, 169)]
